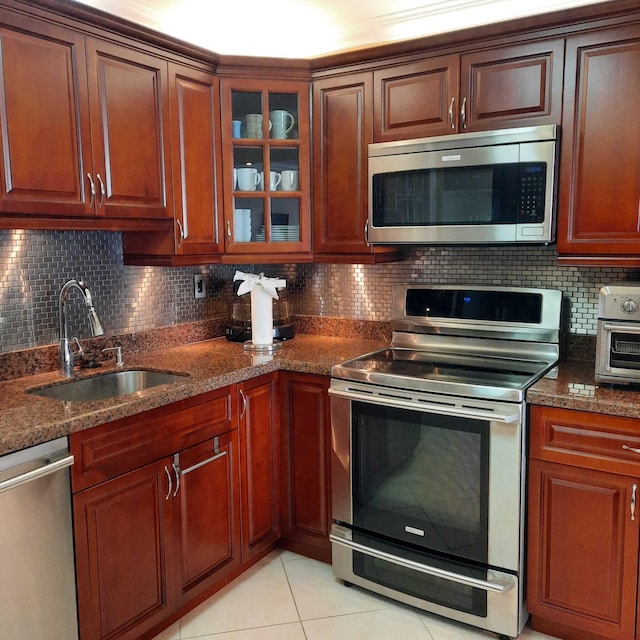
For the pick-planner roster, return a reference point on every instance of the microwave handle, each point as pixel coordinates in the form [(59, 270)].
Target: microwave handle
[(366, 232)]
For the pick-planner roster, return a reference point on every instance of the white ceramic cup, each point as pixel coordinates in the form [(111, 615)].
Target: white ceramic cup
[(248, 179), (274, 180), (281, 123), (289, 180)]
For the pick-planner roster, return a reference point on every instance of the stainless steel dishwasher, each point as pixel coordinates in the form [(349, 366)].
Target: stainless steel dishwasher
[(37, 574)]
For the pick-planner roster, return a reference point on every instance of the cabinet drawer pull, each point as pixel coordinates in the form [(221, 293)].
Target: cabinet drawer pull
[(452, 123), (628, 448), (92, 184), (201, 464), (170, 483), (633, 501)]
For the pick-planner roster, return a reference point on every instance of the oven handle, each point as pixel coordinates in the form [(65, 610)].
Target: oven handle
[(458, 412), (495, 586)]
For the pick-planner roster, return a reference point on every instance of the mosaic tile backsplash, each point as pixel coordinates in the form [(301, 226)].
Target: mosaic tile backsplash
[(34, 265)]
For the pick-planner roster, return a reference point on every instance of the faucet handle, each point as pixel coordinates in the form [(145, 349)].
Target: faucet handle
[(118, 350), (80, 352)]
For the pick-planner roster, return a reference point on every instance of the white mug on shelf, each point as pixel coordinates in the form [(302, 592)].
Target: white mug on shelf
[(248, 179), (289, 180), (281, 123), (274, 180)]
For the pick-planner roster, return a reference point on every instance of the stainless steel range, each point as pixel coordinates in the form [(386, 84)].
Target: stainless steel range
[(428, 461)]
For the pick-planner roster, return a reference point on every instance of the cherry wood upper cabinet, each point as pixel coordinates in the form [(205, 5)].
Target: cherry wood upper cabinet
[(128, 94), (196, 236), (343, 127), (599, 192), (84, 128), (501, 87), (44, 116)]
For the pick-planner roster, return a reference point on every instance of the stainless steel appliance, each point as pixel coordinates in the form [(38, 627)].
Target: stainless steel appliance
[(428, 460), (471, 188), (37, 579), (618, 336)]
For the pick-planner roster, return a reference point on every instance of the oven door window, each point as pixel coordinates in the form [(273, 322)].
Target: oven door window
[(421, 478), (417, 584), (625, 350)]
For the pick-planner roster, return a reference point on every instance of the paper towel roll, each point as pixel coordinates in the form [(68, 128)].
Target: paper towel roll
[(263, 292)]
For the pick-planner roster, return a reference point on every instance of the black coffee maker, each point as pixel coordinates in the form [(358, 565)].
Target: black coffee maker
[(239, 320)]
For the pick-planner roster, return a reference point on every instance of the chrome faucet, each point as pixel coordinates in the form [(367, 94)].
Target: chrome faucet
[(66, 355)]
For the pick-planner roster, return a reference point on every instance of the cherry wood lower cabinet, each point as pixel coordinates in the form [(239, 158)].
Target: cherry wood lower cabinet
[(583, 525), (260, 453), (156, 514), (306, 447)]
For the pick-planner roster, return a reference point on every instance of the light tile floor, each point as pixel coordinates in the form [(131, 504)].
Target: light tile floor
[(289, 597)]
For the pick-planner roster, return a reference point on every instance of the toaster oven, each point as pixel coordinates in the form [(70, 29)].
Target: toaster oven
[(618, 337)]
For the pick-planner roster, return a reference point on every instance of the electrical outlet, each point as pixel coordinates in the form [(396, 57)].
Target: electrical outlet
[(199, 286)]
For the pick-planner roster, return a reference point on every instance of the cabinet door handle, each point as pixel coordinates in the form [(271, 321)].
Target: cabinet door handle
[(463, 114), (628, 448), (181, 230), (176, 470), (633, 501), (244, 404), (92, 184), (452, 123), (170, 483), (103, 191)]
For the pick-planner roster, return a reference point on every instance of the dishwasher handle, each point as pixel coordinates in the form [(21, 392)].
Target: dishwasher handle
[(47, 467)]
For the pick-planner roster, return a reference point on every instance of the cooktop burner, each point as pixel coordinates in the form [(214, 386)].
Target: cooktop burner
[(476, 342)]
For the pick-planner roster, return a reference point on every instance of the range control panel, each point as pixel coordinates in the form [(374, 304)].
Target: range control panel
[(620, 302)]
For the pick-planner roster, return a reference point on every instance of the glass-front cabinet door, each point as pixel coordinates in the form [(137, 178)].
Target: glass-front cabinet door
[(265, 137)]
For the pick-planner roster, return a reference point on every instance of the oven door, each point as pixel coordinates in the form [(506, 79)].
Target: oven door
[(428, 500)]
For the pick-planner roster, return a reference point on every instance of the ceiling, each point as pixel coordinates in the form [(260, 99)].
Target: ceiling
[(309, 28)]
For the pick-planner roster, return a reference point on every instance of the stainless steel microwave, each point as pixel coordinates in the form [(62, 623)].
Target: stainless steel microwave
[(471, 188)]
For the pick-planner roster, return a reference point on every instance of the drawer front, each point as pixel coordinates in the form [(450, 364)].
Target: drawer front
[(117, 447), (590, 440)]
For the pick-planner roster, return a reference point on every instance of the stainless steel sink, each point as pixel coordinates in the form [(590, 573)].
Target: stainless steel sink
[(107, 385)]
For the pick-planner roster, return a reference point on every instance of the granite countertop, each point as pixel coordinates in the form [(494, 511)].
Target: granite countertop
[(27, 419), (576, 388)]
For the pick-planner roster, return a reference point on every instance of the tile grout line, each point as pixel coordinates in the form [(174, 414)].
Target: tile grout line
[(293, 597)]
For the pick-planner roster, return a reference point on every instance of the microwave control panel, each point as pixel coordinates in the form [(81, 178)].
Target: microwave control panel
[(532, 191)]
